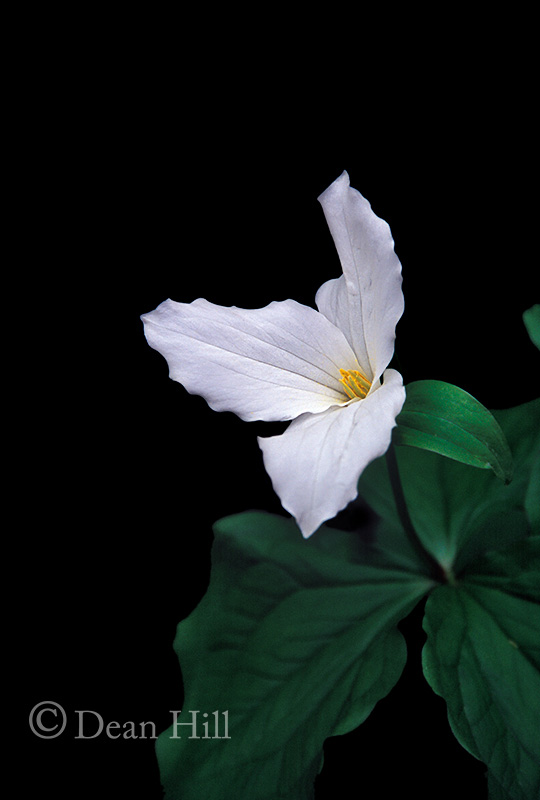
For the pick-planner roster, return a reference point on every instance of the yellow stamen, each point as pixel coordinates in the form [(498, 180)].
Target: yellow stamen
[(354, 383)]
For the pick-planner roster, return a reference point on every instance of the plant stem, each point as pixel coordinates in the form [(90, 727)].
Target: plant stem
[(436, 571)]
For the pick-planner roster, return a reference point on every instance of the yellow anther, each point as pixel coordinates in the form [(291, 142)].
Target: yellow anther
[(354, 383)]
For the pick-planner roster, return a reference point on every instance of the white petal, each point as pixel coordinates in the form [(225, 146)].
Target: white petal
[(366, 302), (270, 363), (315, 465)]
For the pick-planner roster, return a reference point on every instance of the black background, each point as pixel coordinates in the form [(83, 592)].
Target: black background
[(140, 176)]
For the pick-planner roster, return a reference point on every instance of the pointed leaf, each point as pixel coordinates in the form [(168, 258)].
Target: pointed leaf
[(440, 417), (297, 641), (482, 656), (459, 512)]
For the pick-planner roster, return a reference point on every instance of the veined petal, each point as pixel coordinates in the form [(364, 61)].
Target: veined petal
[(366, 302), (315, 465), (270, 363)]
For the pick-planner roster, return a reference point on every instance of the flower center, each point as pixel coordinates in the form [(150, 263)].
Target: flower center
[(354, 383)]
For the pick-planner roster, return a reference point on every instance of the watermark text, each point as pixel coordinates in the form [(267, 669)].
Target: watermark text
[(48, 720)]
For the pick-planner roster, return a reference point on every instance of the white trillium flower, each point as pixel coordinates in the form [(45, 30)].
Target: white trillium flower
[(326, 370)]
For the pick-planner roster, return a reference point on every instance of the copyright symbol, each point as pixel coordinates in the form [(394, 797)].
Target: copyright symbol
[(54, 713)]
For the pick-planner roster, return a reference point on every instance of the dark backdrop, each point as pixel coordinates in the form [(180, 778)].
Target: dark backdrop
[(134, 186)]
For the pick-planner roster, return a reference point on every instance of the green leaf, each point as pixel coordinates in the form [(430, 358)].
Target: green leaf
[(297, 641), (532, 501), (482, 656), (531, 318), (459, 512), (447, 420)]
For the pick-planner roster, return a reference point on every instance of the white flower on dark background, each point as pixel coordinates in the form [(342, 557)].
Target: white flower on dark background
[(325, 370)]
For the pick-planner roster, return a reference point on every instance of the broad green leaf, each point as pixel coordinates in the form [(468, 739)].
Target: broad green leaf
[(297, 641), (482, 656), (440, 417), (531, 318), (460, 512)]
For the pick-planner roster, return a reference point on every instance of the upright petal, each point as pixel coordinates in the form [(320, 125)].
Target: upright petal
[(270, 363), (366, 302), (315, 465)]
